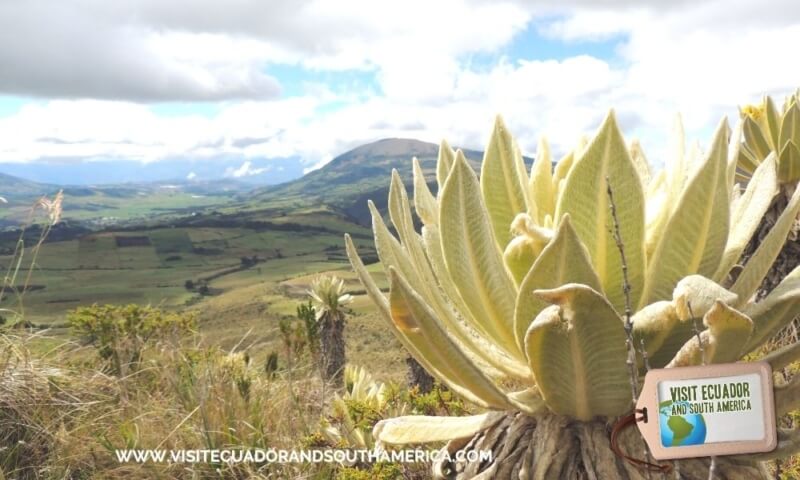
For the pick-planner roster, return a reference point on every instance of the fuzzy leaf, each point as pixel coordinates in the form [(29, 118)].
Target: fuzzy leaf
[(759, 264), (777, 310), (444, 163), (790, 126), (503, 182), (755, 139), (473, 260), (696, 234), (733, 157), (640, 162), (576, 349), (654, 324), (585, 198), (399, 330), (695, 295), (789, 164), (424, 201), (407, 308), (540, 186), (426, 429), (748, 213), (471, 334), (412, 261), (564, 260), (773, 122), (723, 342)]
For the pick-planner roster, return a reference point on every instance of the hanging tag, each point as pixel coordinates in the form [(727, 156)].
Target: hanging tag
[(721, 409)]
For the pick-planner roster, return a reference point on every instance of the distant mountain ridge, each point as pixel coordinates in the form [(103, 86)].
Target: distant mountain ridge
[(361, 174)]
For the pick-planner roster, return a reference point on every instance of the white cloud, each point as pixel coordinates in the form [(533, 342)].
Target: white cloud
[(191, 176), (700, 59), (245, 170)]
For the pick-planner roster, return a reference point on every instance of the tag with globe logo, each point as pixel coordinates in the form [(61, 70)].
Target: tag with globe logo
[(722, 409)]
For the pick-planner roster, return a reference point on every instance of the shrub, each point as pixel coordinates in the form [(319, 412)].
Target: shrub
[(120, 333)]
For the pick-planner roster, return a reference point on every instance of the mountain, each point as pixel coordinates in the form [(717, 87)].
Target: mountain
[(361, 174), (12, 188)]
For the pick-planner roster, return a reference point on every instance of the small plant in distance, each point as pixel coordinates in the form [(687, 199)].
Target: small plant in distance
[(329, 299), (516, 296), (120, 333)]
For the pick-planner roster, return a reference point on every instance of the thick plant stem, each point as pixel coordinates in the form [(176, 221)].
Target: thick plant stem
[(332, 349)]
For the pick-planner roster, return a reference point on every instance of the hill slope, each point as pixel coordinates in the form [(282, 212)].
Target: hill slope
[(349, 180)]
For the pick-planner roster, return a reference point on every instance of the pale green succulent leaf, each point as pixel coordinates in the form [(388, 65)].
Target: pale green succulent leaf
[(562, 168), (697, 231), (755, 139), (426, 429), (790, 126), (759, 264), (365, 278), (746, 159), (444, 163), (390, 251), (736, 146), (585, 199), (411, 260), (695, 295), (653, 325), (576, 350), (400, 211), (392, 255), (777, 310), (519, 256), (678, 162), (408, 308), (473, 260), (675, 317), (540, 186), (748, 212), (529, 400), (470, 334), (424, 201), (789, 164), (640, 162), (773, 122), (564, 260), (723, 342), (400, 331), (503, 182)]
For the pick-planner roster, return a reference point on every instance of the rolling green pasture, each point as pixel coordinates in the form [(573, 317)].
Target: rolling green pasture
[(243, 306)]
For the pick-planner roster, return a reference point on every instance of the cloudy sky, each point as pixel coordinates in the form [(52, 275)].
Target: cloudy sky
[(155, 80)]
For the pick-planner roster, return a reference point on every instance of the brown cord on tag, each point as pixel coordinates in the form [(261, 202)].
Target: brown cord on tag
[(625, 422)]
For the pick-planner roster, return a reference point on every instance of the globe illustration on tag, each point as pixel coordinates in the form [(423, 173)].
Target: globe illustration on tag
[(678, 430)]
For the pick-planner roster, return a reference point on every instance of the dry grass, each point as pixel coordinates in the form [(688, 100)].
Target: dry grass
[(67, 421)]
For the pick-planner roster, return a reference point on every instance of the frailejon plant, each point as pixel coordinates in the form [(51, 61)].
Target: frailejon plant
[(329, 300), (356, 411), (514, 294), (767, 132)]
